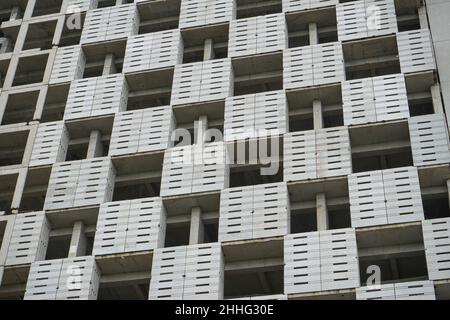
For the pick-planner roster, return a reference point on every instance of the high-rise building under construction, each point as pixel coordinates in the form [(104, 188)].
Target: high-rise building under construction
[(224, 149)]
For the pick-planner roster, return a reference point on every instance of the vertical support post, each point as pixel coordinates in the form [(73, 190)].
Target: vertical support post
[(313, 34), (196, 234), (78, 241), (109, 67), (15, 13), (200, 127), (322, 212), (436, 97), (208, 51), (317, 114), (448, 191), (18, 191), (95, 148)]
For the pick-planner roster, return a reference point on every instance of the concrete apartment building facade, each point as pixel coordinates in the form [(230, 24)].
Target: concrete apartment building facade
[(106, 107)]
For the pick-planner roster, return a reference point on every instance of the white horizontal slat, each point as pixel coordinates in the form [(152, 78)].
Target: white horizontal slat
[(391, 100), (146, 225), (270, 210), (211, 172), (204, 272), (236, 214), (339, 259), (379, 292), (297, 67), (239, 122), (243, 37), (195, 13), (74, 6), (126, 133), (333, 152), (62, 185), (95, 182), (110, 23), (178, 171), (436, 239), (429, 139), (328, 63), (153, 51), (358, 101)]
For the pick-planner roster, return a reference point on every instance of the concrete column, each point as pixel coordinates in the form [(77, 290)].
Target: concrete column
[(6, 238), (322, 212), (109, 67), (436, 97), (208, 52), (15, 13), (78, 241), (119, 2), (423, 19), (5, 45), (313, 34), (394, 268), (196, 234), (18, 191), (95, 148), (200, 127), (317, 114)]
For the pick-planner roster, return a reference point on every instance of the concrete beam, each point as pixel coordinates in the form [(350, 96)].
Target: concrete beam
[(78, 241), (197, 229), (322, 212), (95, 148)]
